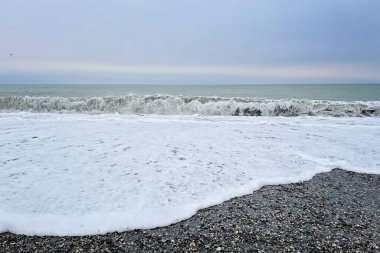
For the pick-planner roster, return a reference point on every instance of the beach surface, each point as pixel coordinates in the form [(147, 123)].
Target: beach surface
[(338, 211)]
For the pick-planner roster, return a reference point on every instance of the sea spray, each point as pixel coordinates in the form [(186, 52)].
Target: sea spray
[(190, 105)]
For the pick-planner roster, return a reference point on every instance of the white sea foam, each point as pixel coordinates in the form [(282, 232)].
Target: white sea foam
[(190, 105), (77, 174)]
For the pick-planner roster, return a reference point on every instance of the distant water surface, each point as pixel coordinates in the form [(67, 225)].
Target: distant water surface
[(342, 92)]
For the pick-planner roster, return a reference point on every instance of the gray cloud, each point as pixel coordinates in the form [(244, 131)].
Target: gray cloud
[(147, 35)]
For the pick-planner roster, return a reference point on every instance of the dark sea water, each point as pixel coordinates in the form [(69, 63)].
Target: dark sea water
[(341, 92)]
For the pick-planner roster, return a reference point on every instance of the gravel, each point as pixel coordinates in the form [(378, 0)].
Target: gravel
[(337, 211)]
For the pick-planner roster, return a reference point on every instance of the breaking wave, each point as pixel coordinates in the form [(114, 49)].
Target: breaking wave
[(188, 105)]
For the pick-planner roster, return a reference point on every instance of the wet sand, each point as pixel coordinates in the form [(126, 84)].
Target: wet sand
[(337, 211)]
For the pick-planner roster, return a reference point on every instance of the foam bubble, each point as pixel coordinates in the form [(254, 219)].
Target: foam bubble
[(78, 174)]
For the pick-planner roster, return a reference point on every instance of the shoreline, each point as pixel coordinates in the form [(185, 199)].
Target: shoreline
[(337, 211)]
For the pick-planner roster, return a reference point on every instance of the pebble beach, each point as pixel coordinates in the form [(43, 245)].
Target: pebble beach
[(338, 211)]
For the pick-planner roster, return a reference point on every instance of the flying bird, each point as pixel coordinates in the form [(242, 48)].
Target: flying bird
[(11, 54)]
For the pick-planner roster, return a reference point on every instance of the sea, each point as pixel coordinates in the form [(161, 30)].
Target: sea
[(238, 100), (91, 159)]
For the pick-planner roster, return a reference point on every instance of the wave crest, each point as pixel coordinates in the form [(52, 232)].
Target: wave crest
[(188, 105)]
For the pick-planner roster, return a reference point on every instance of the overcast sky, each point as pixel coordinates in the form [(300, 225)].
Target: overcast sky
[(190, 41)]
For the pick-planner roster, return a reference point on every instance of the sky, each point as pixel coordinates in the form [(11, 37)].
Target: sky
[(190, 42)]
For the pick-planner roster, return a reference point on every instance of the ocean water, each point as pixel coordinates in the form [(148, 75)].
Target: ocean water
[(335, 92), (78, 160), (237, 100)]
